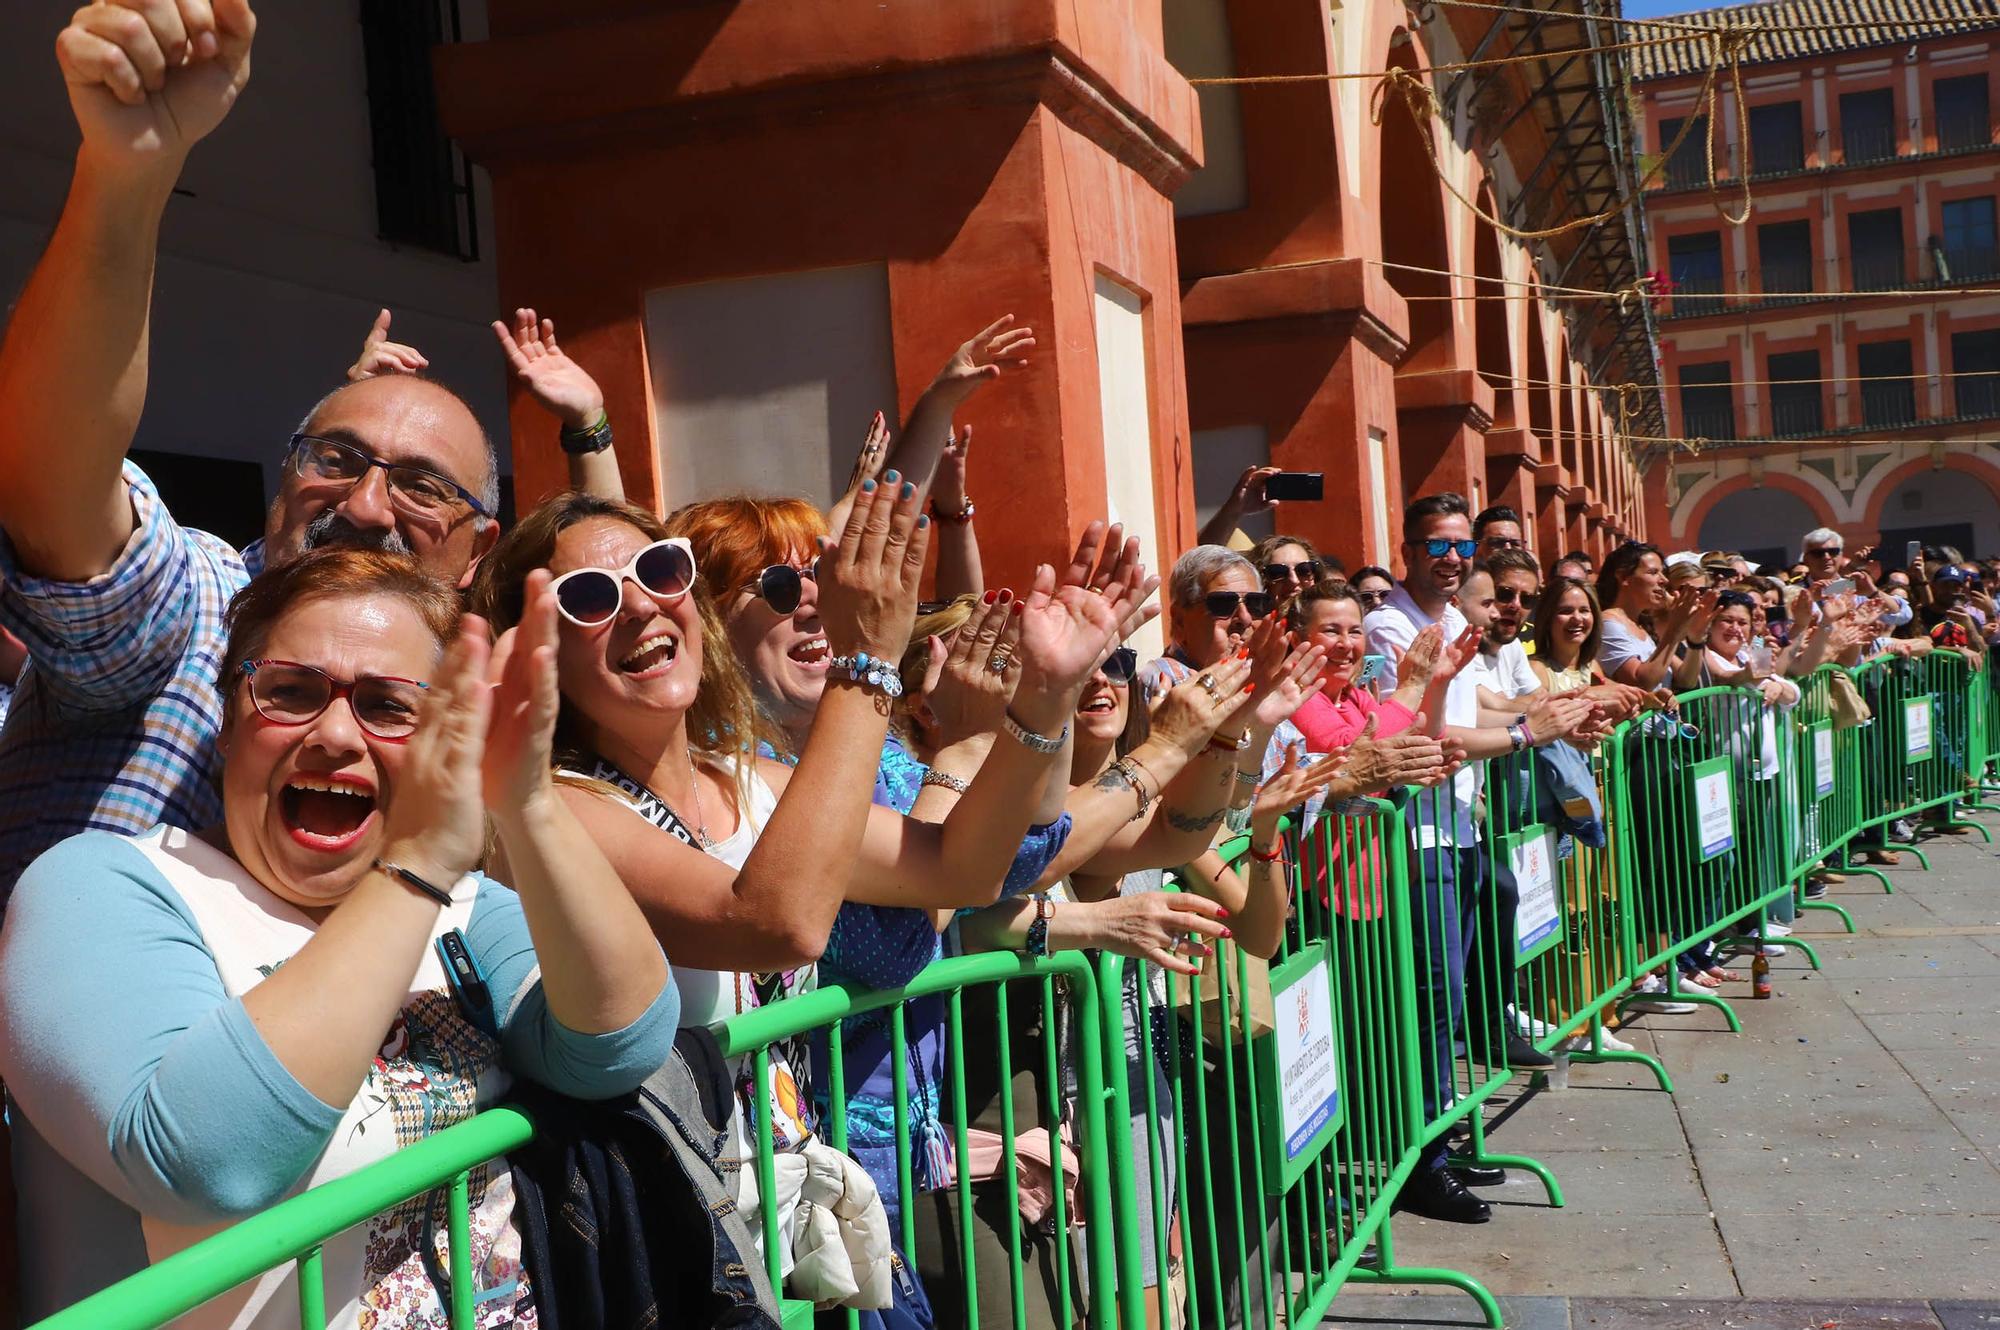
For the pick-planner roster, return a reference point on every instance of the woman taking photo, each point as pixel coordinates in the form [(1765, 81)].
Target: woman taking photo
[(200, 1022)]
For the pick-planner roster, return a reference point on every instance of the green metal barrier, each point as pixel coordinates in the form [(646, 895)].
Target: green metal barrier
[(1915, 755), (294, 1229)]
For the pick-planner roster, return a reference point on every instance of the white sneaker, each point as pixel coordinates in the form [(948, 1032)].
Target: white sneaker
[(1652, 983), (1772, 951), (1580, 1043), (1773, 929), (1528, 1027)]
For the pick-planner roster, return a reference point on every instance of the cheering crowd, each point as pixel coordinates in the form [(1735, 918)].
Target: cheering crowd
[(318, 847)]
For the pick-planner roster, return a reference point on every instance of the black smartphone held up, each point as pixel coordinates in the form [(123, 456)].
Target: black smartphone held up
[(1296, 486), (1912, 552)]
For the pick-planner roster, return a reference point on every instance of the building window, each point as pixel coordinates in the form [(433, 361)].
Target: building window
[(1975, 366), (1784, 256), (1777, 139), (222, 496), (1966, 250), (1694, 264), (1795, 395), (423, 184), (1688, 167), (1868, 125), (1708, 407), (1875, 249), (1887, 395), (1960, 106)]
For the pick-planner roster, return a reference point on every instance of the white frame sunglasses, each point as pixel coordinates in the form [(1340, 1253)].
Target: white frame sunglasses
[(618, 577)]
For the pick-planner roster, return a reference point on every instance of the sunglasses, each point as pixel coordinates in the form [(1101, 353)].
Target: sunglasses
[(1222, 604), (1120, 665), (288, 693), (590, 597), (1371, 599), (1829, 553), (781, 586), (1506, 543), (1507, 595), (1437, 548), (1297, 572)]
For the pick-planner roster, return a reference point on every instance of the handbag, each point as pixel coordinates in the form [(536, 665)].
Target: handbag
[(1251, 1014), (1844, 701)]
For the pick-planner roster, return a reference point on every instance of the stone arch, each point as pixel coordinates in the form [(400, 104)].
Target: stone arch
[(1764, 522), (1695, 505), (1539, 394), (1981, 513), (1493, 348), (1411, 219)]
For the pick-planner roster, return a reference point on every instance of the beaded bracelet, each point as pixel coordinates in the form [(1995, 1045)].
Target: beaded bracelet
[(1038, 927), (868, 671), (956, 784)]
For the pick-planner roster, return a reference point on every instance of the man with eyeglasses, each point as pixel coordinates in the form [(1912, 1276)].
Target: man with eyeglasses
[(115, 720), (1498, 528)]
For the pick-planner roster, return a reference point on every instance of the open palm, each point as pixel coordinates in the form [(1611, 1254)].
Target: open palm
[(1065, 632)]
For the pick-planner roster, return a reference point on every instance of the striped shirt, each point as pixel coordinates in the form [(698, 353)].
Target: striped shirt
[(114, 720)]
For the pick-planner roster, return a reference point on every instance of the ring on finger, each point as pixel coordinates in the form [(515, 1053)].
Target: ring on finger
[(1208, 684), (998, 662)]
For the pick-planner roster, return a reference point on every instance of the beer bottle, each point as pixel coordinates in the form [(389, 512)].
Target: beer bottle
[(1760, 975)]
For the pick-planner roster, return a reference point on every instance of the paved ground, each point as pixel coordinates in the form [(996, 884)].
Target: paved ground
[(1838, 1163)]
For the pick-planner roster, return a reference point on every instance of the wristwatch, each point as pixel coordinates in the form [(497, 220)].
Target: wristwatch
[(592, 438)]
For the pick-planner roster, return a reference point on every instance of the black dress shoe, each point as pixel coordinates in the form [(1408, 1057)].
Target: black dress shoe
[(1524, 1056), (1437, 1193), (1475, 1175)]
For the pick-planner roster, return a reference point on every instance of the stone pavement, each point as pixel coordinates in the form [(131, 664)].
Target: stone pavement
[(1836, 1164)]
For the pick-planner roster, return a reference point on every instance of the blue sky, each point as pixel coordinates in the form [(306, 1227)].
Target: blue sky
[(1657, 8)]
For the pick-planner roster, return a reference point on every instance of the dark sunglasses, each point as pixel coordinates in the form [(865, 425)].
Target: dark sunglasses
[(1507, 595), (1297, 572), (590, 597), (1222, 604), (1506, 543), (781, 586), (288, 693), (1371, 599), (1832, 551), (1437, 547)]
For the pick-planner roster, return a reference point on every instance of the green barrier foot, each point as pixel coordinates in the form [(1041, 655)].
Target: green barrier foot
[(1845, 917), (1923, 859), (1812, 955), (1632, 1055), (1975, 826), (1417, 1274), (1864, 871), (1526, 1165)]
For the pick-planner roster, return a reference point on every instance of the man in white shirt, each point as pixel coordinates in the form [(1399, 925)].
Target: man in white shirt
[(1506, 583), (1438, 550)]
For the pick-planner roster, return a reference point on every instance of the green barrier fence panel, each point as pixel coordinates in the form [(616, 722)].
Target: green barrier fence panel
[(1915, 753), (995, 1007), (293, 1230)]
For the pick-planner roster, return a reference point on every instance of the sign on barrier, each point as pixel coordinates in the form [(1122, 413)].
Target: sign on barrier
[(1715, 811), (1822, 752), (1917, 742), (1531, 852), (1300, 1068)]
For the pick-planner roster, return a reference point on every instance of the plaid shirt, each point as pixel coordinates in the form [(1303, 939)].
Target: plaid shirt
[(114, 721)]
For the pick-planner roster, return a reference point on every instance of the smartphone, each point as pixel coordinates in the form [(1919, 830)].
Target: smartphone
[(1296, 486), (1840, 586), (1912, 552), (1372, 668)]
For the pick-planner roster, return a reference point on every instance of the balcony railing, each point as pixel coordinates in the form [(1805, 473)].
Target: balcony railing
[(1978, 395), (1868, 143), (1708, 422), (1777, 154), (1963, 130), (1695, 295), (1965, 264), (1892, 403), (1796, 413), (1877, 270), (1786, 279)]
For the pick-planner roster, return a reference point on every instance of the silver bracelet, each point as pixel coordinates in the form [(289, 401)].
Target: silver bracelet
[(1247, 777), (953, 783), (1028, 739)]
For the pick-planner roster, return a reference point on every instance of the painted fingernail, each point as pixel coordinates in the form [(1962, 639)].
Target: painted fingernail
[(1006, 596), (1221, 912), (867, 487), (923, 520), (892, 477), (991, 596), (1227, 933), (909, 488)]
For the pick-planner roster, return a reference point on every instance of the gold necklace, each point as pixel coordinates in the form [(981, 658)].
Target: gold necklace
[(700, 822)]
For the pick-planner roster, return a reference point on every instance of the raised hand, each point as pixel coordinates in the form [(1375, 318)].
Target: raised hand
[(1420, 661), (563, 387), (379, 355), (948, 486), (1412, 757), (1065, 632), (1291, 785), (1301, 676), (1164, 928), (867, 466), (520, 732), (997, 347), (970, 696), (1190, 712), (148, 79), (1247, 499), (868, 581), (437, 823), (1107, 563), (1455, 656)]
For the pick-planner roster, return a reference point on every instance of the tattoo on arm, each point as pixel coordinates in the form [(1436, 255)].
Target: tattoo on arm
[(1193, 822), (1115, 778)]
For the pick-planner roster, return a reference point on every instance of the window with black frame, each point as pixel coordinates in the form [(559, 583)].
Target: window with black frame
[(1867, 126), (1795, 393), (1975, 368), (1888, 395), (1694, 263), (1777, 139), (1689, 166), (1875, 249), (1967, 249), (1708, 404), (1785, 257), (1962, 107)]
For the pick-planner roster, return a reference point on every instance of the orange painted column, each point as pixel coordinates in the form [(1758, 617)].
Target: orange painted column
[(994, 159), (1441, 418)]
